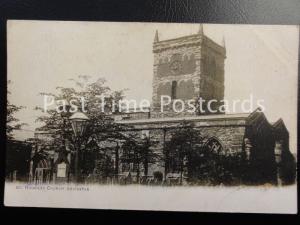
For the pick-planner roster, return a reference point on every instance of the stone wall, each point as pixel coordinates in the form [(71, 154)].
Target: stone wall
[(230, 136), (194, 64), (176, 60), (212, 73)]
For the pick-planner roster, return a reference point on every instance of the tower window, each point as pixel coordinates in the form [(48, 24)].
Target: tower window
[(174, 89)]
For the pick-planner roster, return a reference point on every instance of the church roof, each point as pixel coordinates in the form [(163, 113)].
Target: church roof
[(236, 116), (280, 127), (253, 119)]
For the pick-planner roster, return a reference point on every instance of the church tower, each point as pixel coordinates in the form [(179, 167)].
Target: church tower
[(187, 68)]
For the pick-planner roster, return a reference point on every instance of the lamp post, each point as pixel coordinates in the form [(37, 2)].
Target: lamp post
[(79, 122), (65, 114), (63, 152)]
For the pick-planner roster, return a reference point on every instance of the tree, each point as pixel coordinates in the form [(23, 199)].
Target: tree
[(18, 152), (12, 123), (17, 158), (182, 148), (147, 153), (139, 152), (131, 156), (201, 158), (101, 126)]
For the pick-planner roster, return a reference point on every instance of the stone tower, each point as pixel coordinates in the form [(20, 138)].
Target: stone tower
[(187, 68)]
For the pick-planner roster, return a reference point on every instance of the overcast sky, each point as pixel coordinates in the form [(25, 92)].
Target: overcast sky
[(261, 60)]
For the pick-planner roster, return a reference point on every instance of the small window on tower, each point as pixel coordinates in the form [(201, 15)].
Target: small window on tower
[(174, 89)]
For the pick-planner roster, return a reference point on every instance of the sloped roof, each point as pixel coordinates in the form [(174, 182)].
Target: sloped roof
[(256, 118), (279, 127), (236, 116)]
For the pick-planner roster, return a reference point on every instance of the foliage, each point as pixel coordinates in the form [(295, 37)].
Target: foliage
[(101, 127), (181, 149), (189, 154), (17, 158), (12, 123), (288, 168), (139, 151)]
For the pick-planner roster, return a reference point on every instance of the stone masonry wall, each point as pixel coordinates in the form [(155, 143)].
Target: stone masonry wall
[(186, 49), (230, 136), (195, 63)]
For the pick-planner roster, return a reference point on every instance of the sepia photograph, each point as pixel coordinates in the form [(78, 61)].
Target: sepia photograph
[(152, 116)]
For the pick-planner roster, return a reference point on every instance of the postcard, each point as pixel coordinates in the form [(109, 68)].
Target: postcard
[(152, 116)]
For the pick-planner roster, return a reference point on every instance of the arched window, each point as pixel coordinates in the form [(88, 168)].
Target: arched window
[(213, 145), (174, 89)]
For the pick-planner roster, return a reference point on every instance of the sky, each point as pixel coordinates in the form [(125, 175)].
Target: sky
[(262, 60)]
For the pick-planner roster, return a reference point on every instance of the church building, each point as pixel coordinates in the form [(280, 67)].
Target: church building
[(190, 67), (186, 69)]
